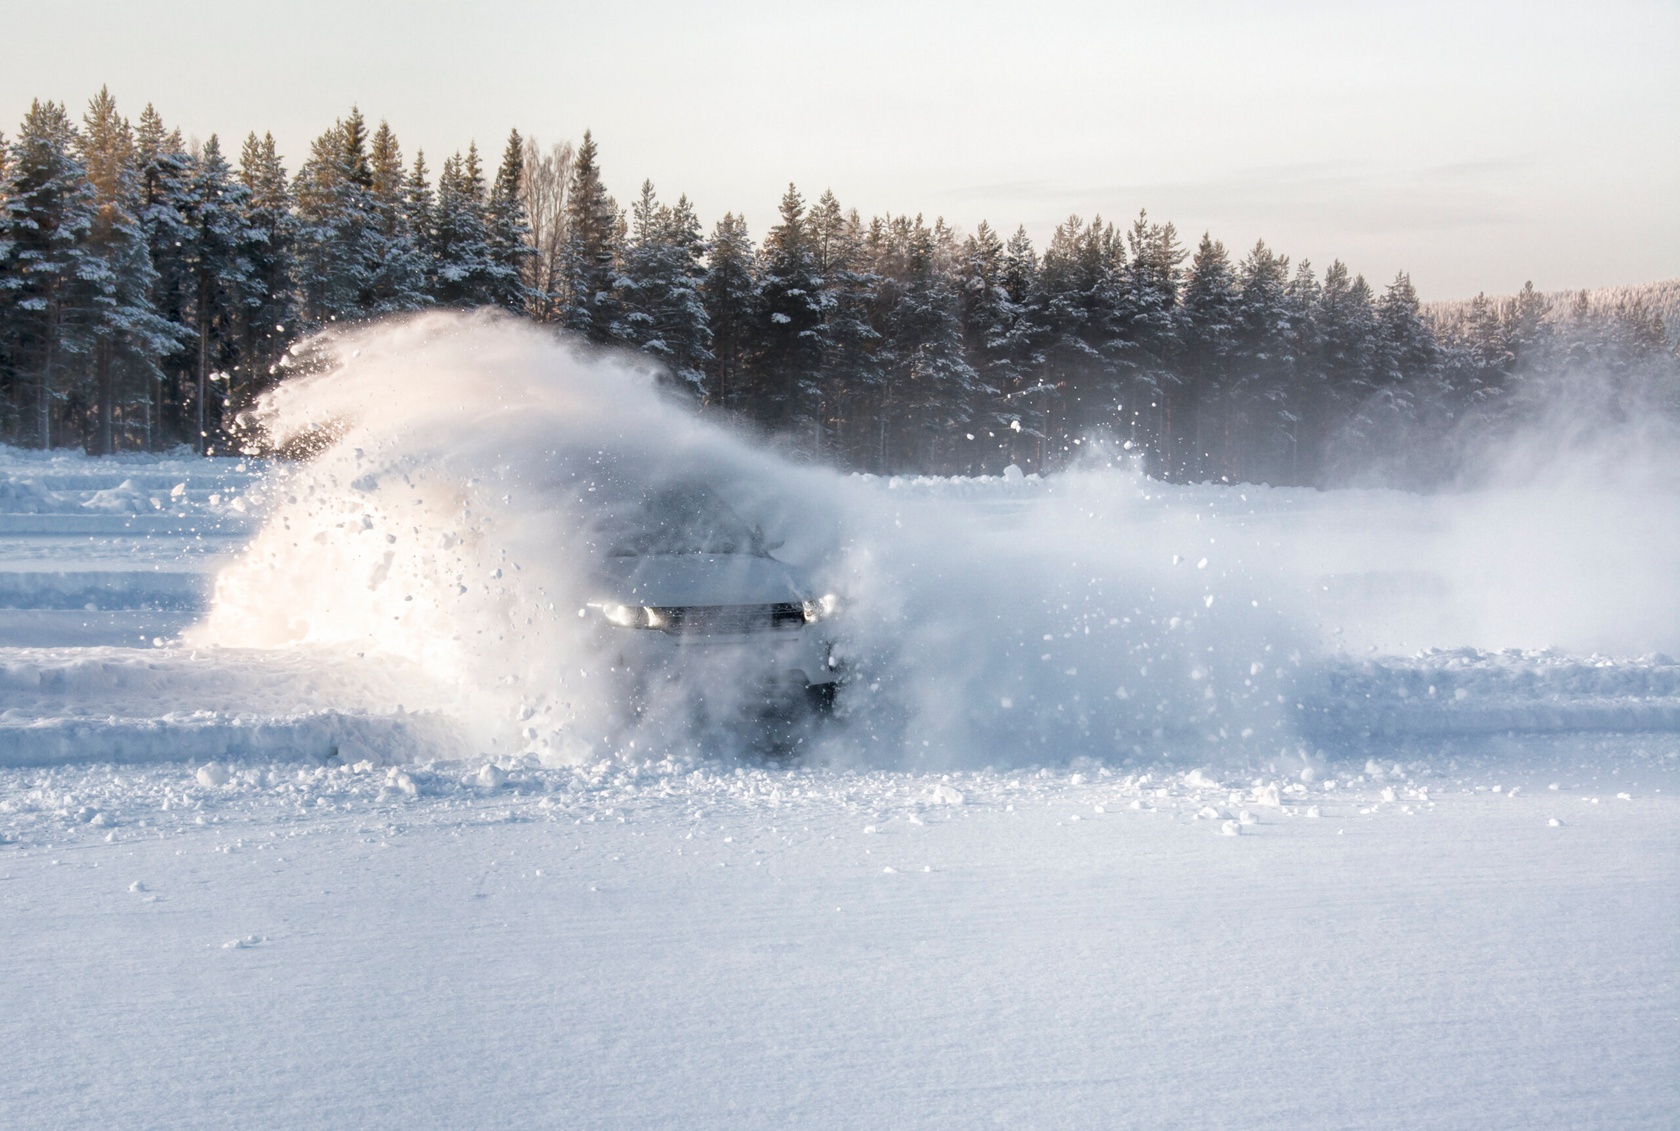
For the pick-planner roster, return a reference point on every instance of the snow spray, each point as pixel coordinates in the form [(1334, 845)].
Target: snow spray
[(466, 467)]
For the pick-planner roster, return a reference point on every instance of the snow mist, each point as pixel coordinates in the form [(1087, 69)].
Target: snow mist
[(466, 464)]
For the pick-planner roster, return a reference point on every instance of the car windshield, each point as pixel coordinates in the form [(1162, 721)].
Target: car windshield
[(686, 520)]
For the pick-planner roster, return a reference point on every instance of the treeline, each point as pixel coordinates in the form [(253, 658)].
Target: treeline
[(149, 290)]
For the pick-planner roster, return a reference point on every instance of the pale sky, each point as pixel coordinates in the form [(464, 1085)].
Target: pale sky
[(1474, 144)]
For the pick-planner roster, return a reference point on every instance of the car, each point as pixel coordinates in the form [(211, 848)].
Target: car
[(687, 593)]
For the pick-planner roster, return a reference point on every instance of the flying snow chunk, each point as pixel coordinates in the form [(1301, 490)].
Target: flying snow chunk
[(212, 774)]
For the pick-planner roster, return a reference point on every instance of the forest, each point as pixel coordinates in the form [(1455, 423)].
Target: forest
[(152, 287)]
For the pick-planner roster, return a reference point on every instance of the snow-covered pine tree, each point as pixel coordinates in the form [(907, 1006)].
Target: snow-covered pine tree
[(338, 224), (397, 270), (730, 294), (851, 374), (215, 215), (508, 232), (1024, 400), (420, 215), (991, 327), (1347, 326), (593, 238), (1263, 369), (662, 311), (1209, 342), (931, 388), (1410, 380), (51, 280), (1148, 332), (1527, 330), (1080, 279), (165, 169), (789, 332), (129, 334), (460, 240), (1309, 404), (268, 313)]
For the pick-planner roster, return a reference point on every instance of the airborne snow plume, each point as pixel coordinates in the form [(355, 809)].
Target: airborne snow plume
[(468, 464)]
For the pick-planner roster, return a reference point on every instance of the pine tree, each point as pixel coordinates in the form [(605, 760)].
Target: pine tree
[(130, 336), (592, 249), (1208, 343), (992, 330), (1526, 328), (217, 204), (790, 345), (730, 294), (663, 313), (268, 313), (52, 282), (398, 269), (1080, 280), (460, 240), (1263, 368), (931, 388), (850, 374), (508, 232), (420, 215), (165, 168), (1148, 329), (338, 231), (1309, 403), (1347, 327)]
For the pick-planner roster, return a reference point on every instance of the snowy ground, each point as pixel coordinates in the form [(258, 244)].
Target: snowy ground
[(1312, 831), (303, 946)]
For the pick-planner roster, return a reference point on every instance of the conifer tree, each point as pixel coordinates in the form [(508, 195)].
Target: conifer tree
[(1263, 367), (337, 225), (1209, 339), (217, 205), (790, 345), (268, 313), (663, 311), (398, 269), (420, 215), (592, 248), (850, 372), (1080, 280), (129, 335), (1347, 327), (508, 232), (51, 281), (1148, 327), (165, 168), (730, 294), (460, 240)]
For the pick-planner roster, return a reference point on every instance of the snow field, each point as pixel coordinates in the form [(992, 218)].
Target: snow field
[(611, 946)]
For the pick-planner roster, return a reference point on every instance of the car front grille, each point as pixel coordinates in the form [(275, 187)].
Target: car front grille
[(730, 620)]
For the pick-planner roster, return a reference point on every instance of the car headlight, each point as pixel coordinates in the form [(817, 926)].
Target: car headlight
[(821, 609), (632, 616)]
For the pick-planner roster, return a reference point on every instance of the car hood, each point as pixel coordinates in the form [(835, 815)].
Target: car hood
[(669, 580)]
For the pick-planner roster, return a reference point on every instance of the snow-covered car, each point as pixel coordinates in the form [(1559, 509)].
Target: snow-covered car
[(687, 589)]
